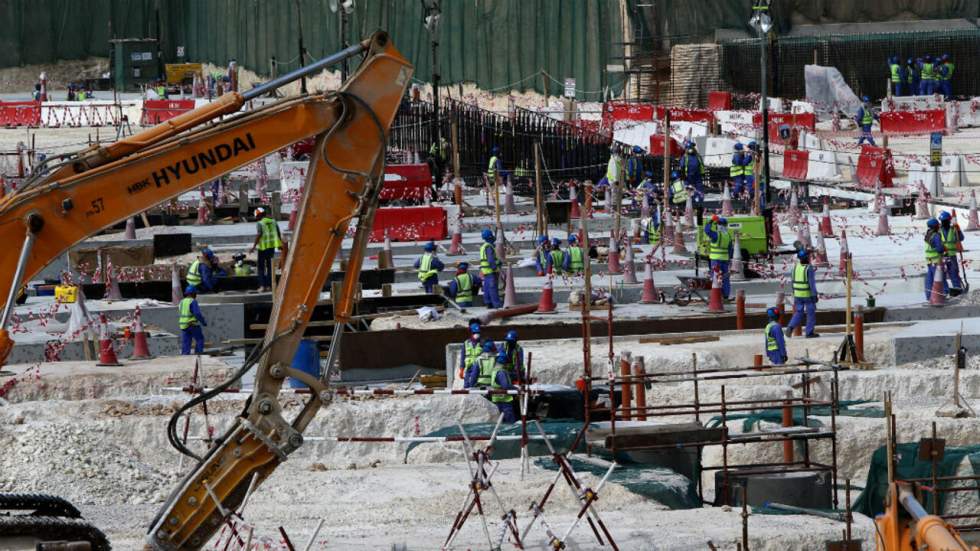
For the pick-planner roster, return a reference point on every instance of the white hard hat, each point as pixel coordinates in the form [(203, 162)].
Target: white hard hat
[(259, 211)]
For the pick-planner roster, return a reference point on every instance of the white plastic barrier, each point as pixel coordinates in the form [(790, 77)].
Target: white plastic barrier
[(718, 151), (922, 176), (292, 176), (809, 140), (684, 129), (735, 122), (272, 165), (799, 106), (74, 114), (822, 166), (953, 171), (634, 133), (967, 113), (913, 103)]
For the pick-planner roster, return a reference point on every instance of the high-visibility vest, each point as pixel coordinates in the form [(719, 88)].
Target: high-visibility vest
[(269, 238), (471, 351), (932, 256), (498, 398), (194, 273), (771, 344), (464, 288), (684, 162), (162, 92), (242, 270), (517, 351), (736, 169), (909, 74), (718, 250), (949, 71), (801, 281), (557, 259), (485, 268), (867, 118), (680, 192), (187, 319), (543, 257), (613, 168), (950, 239), (896, 72), (576, 261), (653, 232), (486, 363), (927, 73), (425, 267), (492, 169)]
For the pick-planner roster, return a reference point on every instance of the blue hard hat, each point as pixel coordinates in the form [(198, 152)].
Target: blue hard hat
[(429, 247), (572, 239), (648, 174), (865, 99), (542, 239), (909, 61), (190, 289), (944, 216), (753, 144), (932, 223), (723, 221), (207, 252), (674, 175), (502, 357), (801, 254), (739, 146), (556, 242), (945, 57), (511, 335), (494, 150), (487, 235), (928, 57), (489, 346), (773, 313), (463, 266), (637, 149), (474, 326)]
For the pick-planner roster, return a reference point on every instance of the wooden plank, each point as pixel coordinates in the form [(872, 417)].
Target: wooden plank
[(686, 339), (257, 340), (675, 436)]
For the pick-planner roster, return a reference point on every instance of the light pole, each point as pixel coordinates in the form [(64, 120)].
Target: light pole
[(432, 16), (763, 23)]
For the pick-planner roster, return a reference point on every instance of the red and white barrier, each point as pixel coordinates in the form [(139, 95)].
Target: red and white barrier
[(20, 113), (410, 224), (913, 122), (795, 164), (875, 167), (718, 152), (156, 111), (822, 166)]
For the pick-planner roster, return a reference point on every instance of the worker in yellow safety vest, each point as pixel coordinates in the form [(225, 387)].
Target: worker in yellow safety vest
[(429, 266), (575, 256), (720, 250), (775, 344), (464, 286), (267, 240), (479, 373), (190, 321), (500, 382), (805, 296)]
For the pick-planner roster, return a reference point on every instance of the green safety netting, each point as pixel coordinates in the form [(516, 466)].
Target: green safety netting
[(907, 466), (847, 409)]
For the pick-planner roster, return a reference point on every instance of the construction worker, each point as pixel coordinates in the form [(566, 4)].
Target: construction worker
[(895, 74), (720, 249), (865, 118), (775, 344), (928, 76), (429, 266), (268, 240), (614, 168), (501, 380), (735, 170), (490, 271), (651, 230), (574, 257), (946, 77), (805, 297), (464, 286), (935, 251), (912, 76), (748, 162), (557, 256), (438, 155), (542, 256), (495, 167), (480, 372), (678, 190), (203, 273), (694, 171), (634, 166), (190, 322), (514, 354), (952, 237), (472, 348), (646, 187)]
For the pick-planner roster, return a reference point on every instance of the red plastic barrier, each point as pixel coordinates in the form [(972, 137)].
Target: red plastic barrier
[(415, 173), (156, 111), (657, 146), (624, 111), (802, 120), (678, 114), (20, 113), (875, 165), (795, 164), (913, 122), (719, 101), (410, 224)]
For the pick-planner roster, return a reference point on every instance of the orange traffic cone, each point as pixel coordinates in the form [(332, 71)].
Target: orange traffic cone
[(386, 250), (726, 202), (546, 305), (575, 211), (777, 238), (293, 214), (509, 198), (844, 252), (679, 247), (130, 229), (107, 356), (803, 232), (736, 267), (780, 306), (141, 348), (794, 207), (883, 228), (176, 292), (826, 229), (613, 257), (972, 223), (820, 252), (510, 294), (716, 304), (456, 245), (938, 297), (689, 212), (629, 267), (650, 295)]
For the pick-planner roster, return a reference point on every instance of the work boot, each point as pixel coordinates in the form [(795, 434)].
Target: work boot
[(812, 335)]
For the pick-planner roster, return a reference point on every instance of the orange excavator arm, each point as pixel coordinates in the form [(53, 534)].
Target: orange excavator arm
[(101, 186), (906, 526)]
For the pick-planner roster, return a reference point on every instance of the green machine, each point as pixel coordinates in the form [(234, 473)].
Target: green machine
[(135, 63), (751, 232)]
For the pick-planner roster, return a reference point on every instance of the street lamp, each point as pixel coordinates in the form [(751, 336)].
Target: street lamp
[(432, 16), (763, 24)]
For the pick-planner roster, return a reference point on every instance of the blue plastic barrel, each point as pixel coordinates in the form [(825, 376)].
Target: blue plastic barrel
[(307, 360)]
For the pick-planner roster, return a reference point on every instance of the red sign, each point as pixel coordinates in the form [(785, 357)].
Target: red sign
[(410, 224), (156, 111), (416, 179), (657, 146), (719, 101), (875, 166), (795, 164), (623, 111), (20, 113), (913, 122)]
